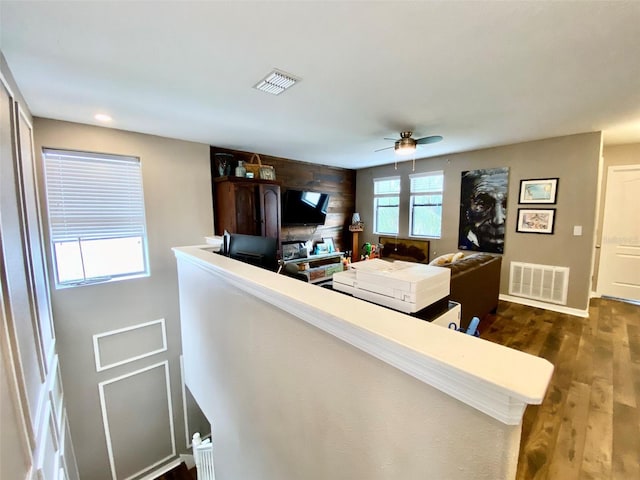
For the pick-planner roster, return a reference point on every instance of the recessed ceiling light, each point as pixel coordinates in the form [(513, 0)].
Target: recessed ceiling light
[(276, 82), (101, 117)]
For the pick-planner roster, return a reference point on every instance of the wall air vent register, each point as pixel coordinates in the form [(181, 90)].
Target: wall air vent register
[(547, 283)]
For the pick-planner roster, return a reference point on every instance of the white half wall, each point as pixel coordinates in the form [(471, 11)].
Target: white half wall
[(290, 399)]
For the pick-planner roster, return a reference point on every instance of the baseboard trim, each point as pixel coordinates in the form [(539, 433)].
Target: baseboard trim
[(547, 306), (163, 469)]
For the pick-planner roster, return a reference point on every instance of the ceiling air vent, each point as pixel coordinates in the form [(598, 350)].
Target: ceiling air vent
[(276, 82)]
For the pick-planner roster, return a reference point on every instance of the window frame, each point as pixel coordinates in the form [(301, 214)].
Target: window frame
[(417, 193), (377, 196), (107, 217)]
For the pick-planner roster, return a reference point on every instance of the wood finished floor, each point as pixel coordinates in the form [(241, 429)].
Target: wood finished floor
[(588, 426)]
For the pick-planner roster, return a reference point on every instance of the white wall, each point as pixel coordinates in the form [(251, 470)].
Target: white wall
[(304, 383), (177, 192)]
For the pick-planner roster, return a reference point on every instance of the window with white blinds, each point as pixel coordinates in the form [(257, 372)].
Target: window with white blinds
[(386, 205), (425, 212), (96, 216)]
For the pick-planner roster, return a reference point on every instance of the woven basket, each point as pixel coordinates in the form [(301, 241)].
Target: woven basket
[(259, 170), (253, 167)]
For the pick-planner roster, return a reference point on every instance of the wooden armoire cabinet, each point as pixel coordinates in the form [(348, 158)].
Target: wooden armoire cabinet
[(246, 205)]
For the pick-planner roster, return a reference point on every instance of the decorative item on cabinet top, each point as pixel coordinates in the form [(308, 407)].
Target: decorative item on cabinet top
[(223, 164), (240, 170), (259, 170)]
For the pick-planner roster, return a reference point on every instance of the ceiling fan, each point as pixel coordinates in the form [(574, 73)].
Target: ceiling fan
[(406, 145)]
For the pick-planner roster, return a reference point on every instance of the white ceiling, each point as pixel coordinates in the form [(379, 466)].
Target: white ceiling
[(478, 73)]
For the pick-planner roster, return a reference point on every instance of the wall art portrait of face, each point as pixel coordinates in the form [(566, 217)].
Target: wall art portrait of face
[(483, 209)]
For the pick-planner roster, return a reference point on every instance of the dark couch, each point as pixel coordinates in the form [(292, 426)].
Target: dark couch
[(475, 285)]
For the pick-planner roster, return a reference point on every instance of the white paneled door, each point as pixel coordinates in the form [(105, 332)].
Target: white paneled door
[(619, 270)]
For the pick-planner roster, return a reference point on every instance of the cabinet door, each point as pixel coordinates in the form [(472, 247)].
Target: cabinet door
[(270, 211), (246, 210), (225, 208)]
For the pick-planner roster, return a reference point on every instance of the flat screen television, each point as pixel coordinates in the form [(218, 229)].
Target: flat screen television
[(304, 207), (258, 251)]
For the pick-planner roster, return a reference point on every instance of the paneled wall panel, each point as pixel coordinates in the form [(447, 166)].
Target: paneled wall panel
[(14, 457), (125, 345), (67, 452), (48, 458), (33, 227), (56, 396), (138, 398), (22, 339), (31, 395)]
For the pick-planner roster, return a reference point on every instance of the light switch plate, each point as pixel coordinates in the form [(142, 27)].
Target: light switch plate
[(577, 230)]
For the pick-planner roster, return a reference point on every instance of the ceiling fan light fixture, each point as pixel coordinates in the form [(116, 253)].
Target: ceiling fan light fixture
[(405, 146), (276, 82), (405, 150)]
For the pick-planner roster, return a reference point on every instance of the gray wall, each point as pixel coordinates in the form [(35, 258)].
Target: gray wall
[(574, 159), (177, 190), (614, 155)]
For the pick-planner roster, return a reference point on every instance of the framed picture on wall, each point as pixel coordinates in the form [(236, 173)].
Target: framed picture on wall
[(540, 220), (484, 195), (539, 190)]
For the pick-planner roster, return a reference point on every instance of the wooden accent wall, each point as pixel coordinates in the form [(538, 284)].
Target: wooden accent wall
[(340, 183)]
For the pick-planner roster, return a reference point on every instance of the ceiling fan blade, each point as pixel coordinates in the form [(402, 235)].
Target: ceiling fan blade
[(431, 139), (392, 139), (381, 149)]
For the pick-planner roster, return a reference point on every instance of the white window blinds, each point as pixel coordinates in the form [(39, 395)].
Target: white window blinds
[(386, 205), (426, 204), (93, 196), (96, 217)]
